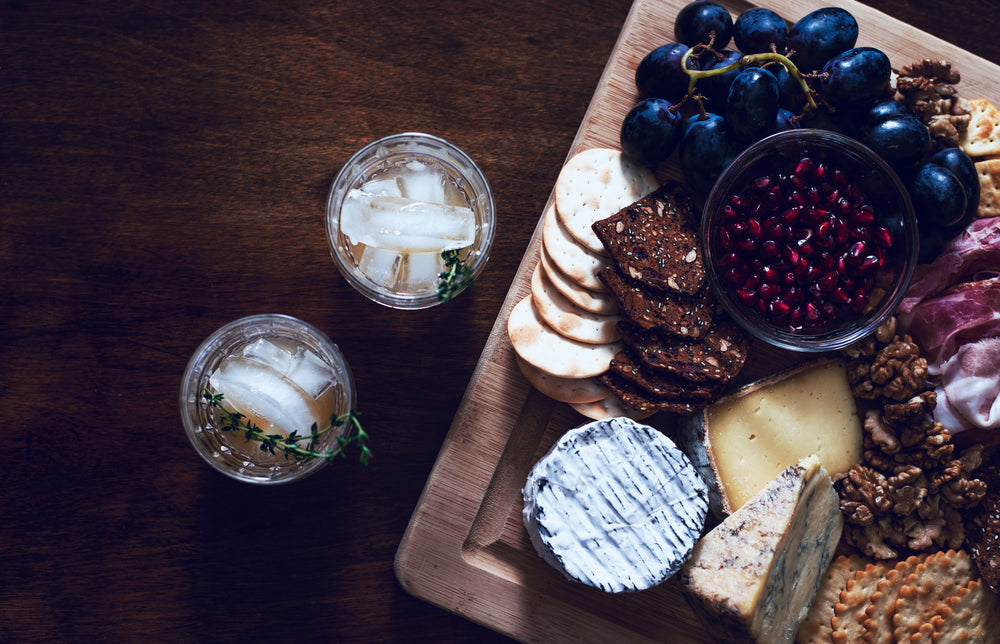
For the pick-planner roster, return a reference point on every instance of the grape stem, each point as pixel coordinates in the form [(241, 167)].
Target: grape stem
[(697, 74)]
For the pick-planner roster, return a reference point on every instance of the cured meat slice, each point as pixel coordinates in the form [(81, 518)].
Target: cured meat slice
[(969, 394), (975, 249), (962, 314)]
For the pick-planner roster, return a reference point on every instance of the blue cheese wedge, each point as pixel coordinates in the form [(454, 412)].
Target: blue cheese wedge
[(755, 575), (615, 505)]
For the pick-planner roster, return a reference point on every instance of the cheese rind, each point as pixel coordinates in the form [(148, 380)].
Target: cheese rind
[(743, 441), (614, 505), (754, 576)]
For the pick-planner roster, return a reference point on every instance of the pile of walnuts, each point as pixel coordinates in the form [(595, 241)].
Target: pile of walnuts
[(909, 490), (928, 89)]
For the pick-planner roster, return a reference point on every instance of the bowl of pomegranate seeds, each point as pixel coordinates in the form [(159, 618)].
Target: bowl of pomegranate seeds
[(810, 240)]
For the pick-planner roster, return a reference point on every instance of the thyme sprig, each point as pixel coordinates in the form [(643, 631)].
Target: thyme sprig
[(456, 276), (289, 446)]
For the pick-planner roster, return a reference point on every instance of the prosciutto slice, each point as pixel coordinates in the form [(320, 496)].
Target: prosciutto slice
[(963, 314), (969, 394), (975, 249)]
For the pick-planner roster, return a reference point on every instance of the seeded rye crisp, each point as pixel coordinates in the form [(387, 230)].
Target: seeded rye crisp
[(661, 387), (682, 315), (718, 356), (655, 240)]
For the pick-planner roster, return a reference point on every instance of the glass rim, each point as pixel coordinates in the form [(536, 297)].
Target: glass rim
[(469, 171), (195, 373)]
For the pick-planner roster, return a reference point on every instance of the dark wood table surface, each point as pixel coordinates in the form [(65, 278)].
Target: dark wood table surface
[(164, 166)]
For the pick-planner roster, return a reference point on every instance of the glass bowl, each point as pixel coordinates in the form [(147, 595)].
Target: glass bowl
[(273, 356), (414, 170), (832, 272)]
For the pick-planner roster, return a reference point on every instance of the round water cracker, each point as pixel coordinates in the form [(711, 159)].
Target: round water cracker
[(595, 184), (849, 611), (878, 614), (567, 318), (816, 627), (567, 390), (586, 299), (933, 581), (575, 261), (609, 407), (540, 345), (971, 615)]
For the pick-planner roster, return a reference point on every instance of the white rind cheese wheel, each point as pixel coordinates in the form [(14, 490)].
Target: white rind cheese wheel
[(614, 505)]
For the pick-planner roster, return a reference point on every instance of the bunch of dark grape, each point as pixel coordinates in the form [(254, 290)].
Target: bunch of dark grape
[(724, 84)]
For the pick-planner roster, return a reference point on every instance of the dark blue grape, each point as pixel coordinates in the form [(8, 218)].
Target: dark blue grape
[(856, 77), (902, 141), (784, 120), (959, 163), (651, 131), (884, 109), (698, 20), (821, 35), (752, 107), (757, 30), (707, 148), (790, 94), (660, 75), (938, 197), (715, 89)]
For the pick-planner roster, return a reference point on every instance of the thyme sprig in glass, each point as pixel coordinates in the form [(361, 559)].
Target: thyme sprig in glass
[(355, 437), (456, 276)]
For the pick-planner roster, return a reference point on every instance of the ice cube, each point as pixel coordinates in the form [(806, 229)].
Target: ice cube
[(421, 183), (405, 225), (381, 266), (423, 270), (268, 354), (311, 374), (257, 391), (382, 188)]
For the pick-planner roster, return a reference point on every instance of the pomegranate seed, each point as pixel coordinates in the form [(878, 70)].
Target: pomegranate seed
[(843, 206), (778, 309), (821, 172), (829, 281), (793, 295), (838, 177), (737, 202), (773, 197), (795, 317), (735, 276), (762, 183), (729, 260), (805, 248), (754, 230), (857, 252), (752, 283), (840, 296), (859, 302), (870, 262), (812, 313), (745, 246), (824, 230), (841, 231), (801, 266), (865, 216), (747, 297), (725, 240), (774, 231), (791, 216), (826, 261), (769, 275), (882, 236), (859, 233), (769, 249), (769, 291), (738, 229), (789, 278), (812, 196), (805, 169)]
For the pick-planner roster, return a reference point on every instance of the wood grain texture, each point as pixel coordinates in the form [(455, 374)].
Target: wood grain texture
[(163, 170)]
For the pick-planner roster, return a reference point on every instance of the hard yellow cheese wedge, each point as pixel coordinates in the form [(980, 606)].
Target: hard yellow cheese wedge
[(743, 441)]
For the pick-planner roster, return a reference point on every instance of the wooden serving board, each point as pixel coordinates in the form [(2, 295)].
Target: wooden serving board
[(465, 548)]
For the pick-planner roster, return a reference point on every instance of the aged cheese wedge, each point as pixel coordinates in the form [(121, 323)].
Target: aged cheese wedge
[(614, 505), (744, 440), (754, 576)]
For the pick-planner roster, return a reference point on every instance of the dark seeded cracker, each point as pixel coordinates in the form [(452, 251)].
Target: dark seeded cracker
[(659, 385), (689, 316), (633, 397), (655, 240), (717, 357)]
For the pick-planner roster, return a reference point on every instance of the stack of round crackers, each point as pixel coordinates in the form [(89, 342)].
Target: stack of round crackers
[(565, 332)]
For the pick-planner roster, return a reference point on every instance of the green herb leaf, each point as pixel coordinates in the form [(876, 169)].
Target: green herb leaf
[(289, 447), (456, 276)]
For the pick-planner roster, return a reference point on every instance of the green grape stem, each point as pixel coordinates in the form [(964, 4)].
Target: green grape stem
[(746, 61), (356, 436)]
